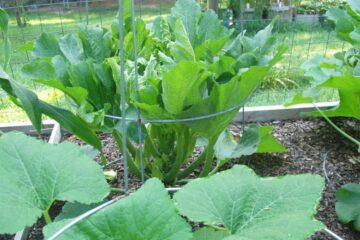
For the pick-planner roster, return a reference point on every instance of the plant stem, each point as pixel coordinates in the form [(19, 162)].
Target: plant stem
[(181, 155), (337, 128), (208, 162), (47, 216), (132, 166), (117, 190), (192, 166)]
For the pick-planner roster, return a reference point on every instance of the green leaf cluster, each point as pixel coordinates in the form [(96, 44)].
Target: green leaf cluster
[(234, 204), (189, 66)]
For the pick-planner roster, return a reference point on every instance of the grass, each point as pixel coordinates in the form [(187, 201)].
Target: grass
[(304, 41)]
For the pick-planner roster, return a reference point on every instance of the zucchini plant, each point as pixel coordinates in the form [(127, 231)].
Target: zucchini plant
[(230, 205), (193, 73), (342, 72)]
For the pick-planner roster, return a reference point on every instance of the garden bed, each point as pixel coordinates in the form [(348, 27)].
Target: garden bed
[(314, 147)]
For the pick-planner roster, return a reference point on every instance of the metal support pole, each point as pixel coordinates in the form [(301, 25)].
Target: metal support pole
[(241, 15)]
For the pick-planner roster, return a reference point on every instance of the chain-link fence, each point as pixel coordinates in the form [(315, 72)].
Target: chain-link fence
[(305, 36)]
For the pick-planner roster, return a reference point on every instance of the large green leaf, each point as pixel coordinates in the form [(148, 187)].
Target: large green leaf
[(34, 108), (188, 11), (146, 214), (347, 205), (23, 98), (253, 140), (349, 92), (227, 147), (181, 86), (251, 207), (34, 174), (210, 28), (72, 48), (50, 73), (46, 45), (95, 43), (182, 49), (223, 97), (72, 123)]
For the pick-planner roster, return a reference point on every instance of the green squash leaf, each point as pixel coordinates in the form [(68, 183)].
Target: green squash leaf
[(227, 147), (34, 174), (146, 214), (349, 92), (347, 204), (251, 207), (72, 210)]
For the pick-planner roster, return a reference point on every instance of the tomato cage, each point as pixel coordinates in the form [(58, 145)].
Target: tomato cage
[(179, 103)]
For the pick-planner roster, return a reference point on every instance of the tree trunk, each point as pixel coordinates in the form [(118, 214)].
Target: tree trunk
[(213, 4), (18, 18)]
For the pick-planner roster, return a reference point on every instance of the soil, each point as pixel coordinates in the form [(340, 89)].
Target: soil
[(314, 147)]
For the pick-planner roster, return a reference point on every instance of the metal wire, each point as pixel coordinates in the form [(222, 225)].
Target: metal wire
[(139, 124), (122, 93)]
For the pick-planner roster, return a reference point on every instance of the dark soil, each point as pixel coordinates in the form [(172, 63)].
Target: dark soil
[(314, 147)]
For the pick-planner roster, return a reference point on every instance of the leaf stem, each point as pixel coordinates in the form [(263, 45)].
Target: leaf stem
[(208, 158), (193, 166), (117, 190), (337, 128), (47, 216), (132, 166), (181, 155)]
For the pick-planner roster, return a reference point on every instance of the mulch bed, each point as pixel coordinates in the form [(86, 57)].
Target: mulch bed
[(314, 147)]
